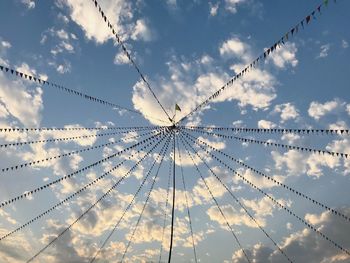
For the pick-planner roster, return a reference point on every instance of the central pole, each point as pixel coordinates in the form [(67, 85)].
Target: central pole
[(173, 208)]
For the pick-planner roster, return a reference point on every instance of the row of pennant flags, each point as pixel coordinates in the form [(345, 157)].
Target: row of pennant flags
[(60, 87), (127, 53), (292, 32), (44, 83), (270, 143), (276, 130)]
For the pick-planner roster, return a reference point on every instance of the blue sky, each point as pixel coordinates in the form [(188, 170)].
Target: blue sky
[(187, 50)]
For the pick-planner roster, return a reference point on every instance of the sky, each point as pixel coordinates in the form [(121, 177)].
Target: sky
[(186, 50)]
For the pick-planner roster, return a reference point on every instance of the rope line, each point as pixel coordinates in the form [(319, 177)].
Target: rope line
[(126, 52), (173, 205), (277, 145), (71, 196), (166, 146), (216, 202), (296, 192), (290, 33), (126, 209), (310, 226), (40, 129), (31, 163), (45, 83), (94, 204), (239, 202), (40, 188), (61, 139), (186, 199), (165, 210), (283, 131)]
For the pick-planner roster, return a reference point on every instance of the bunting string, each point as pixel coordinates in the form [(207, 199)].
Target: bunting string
[(165, 209), (146, 201), (280, 205), (215, 201), (127, 53), (273, 144), (283, 131), (41, 129), (186, 200), (131, 202), (296, 192), (262, 57), (61, 139), (45, 84), (47, 159), (75, 194), (50, 184), (238, 202), (98, 200)]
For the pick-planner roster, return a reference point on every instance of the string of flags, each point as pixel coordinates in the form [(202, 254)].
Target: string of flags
[(96, 202), (72, 195), (286, 37), (47, 185), (46, 83), (284, 131), (280, 145), (23, 165), (127, 53), (130, 129), (231, 193), (60, 139), (194, 140), (282, 206)]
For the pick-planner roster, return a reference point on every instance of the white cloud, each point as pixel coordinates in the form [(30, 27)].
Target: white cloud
[(287, 111), (23, 104), (231, 5), (194, 83), (344, 43), (29, 3), (264, 124), (141, 31), (234, 47), (284, 55), (324, 51), (5, 44), (64, 68), (213, 9), (89, 19), (306, 245), (317, 109)]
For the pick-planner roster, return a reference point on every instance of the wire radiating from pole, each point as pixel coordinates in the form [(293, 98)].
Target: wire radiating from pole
[(173, 208)]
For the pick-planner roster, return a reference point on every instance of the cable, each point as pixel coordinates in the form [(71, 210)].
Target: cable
[(296, 192), (42, 82), (146, 201), (119, 40), (126, 209), (278, 145), (216, 202), (61, 139), (165, 210), (281, 205), (23, 165), (40, 129), (259, 59), (240, 204), (186, 199), (72, 195), (283, 131), (173, 206), (40, 188), (94, 204)]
